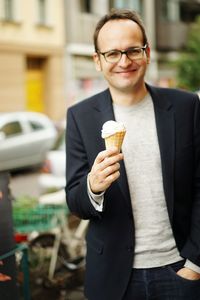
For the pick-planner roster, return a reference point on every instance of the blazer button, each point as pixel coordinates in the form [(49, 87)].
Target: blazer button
[(129, 248)]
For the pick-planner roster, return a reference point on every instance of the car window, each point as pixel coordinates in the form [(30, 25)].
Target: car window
[(60, 142), (11, 129), (36, 125)]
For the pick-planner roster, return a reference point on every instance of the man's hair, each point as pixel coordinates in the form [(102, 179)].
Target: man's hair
[(119, 14)]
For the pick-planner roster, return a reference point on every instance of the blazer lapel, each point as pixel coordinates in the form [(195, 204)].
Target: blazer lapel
[(165, 124), (105, 107)]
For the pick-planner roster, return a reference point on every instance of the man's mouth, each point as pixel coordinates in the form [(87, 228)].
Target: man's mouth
[(126, 71)]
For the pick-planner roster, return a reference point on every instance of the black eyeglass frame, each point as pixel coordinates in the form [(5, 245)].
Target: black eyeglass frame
[(122, 52)]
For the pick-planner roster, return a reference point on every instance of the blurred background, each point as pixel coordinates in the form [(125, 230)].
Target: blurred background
[(46, 48), (46, 65)]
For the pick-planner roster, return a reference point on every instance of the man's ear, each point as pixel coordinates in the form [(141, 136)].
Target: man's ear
[(148, 50), (97, 62)]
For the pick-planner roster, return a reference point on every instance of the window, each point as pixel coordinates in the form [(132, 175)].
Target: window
[(86, 6), (189, 11), (60, 142), (9, 9), (42, 11), (171, 10), (36, 125), (179, 10), (11, 129), (130, 4), (35, 63)]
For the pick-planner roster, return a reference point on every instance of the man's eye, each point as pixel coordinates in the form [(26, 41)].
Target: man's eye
[(134, 51), (112, 54)]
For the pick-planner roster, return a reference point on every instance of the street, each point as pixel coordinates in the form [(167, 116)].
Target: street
[(25, 183)]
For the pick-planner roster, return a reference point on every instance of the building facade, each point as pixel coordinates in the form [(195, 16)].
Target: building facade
[(81, 78), (46, 48), (32, 38)]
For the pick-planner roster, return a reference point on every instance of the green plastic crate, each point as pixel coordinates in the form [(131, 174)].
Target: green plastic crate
[(38, 218)]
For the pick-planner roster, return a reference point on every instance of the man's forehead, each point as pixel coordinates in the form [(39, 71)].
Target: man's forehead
[(115, 31), (118, 24)]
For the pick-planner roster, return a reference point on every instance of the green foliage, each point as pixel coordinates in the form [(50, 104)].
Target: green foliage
[(188, 66)]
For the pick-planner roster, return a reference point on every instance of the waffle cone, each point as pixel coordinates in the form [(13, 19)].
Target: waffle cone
[(115, 140)]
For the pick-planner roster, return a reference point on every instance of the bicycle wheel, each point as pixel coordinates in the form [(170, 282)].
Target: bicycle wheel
[(40, 253)]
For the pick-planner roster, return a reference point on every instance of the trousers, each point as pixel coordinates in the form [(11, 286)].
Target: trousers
[(161, 283)]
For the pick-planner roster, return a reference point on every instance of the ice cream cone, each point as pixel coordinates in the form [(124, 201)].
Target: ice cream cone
[(115, 140)]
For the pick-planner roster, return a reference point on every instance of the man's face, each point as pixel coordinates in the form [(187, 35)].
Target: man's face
[(124, 75)]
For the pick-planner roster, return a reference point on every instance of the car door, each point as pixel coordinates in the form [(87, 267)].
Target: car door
[(37, 138), (40, 136), (11, 150)]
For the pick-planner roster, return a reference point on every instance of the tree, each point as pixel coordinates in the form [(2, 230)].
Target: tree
[(188, 66)]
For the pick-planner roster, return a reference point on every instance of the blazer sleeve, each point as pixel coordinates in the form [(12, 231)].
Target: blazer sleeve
[(77, 169), (191, 249)]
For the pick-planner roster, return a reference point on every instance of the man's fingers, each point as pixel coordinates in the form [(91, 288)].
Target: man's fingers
[(109, 161), (112, 177), (102, 180), (111, 169), (105, 154), (107, 181)]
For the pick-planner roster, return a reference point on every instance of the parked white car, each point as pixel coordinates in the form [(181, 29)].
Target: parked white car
[(25, 138), (53, 176)]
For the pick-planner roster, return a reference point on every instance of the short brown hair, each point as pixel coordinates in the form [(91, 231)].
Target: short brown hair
[(119, 14)]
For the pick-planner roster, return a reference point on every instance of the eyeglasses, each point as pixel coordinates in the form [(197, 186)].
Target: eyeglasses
[(114, 56)]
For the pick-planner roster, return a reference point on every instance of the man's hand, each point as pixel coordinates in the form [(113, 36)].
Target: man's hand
[(188, 274), (105, 170)]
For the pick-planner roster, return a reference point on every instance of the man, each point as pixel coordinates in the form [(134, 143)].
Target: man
[(143, 239)]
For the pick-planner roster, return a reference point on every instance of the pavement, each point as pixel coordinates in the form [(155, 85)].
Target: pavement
[(66, 286), (56, 294), (70, 288)]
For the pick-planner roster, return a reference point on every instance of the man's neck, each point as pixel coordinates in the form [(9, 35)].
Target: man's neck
[(128, 98)]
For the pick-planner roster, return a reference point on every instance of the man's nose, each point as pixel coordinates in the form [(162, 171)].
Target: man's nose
[(124, 60)]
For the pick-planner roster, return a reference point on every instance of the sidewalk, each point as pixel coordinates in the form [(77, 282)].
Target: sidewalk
[(49, 294), (68, 288)]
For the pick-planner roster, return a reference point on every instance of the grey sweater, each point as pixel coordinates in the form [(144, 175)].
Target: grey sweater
[(155, 244)]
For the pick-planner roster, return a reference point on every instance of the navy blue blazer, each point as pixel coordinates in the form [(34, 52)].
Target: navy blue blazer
[(110, 235)]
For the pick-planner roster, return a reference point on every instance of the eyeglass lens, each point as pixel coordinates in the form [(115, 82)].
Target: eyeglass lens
[(132, 54)]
